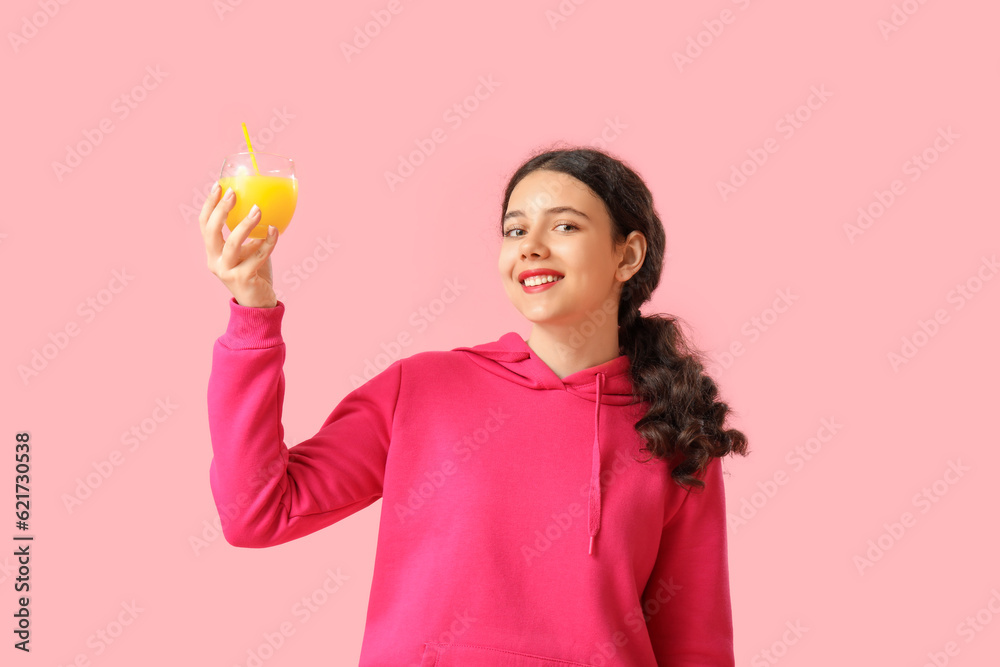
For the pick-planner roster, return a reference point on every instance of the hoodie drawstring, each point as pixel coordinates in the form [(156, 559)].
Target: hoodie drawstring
[(594, 509), (513, 360)]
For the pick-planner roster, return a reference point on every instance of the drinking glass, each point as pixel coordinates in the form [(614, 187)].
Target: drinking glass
[(272, 185)]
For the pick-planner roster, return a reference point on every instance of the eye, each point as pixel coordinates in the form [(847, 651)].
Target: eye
[(508, 233)]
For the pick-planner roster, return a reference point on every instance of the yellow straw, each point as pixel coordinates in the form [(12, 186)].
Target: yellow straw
[(250, 148)]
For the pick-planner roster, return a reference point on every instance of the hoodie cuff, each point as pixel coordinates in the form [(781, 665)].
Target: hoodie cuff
[(253, 328)]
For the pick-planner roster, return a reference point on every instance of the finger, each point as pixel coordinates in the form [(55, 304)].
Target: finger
[(206, 208), (258, 253), (211, 249), (214, 243), (249, 255), (231, 253)]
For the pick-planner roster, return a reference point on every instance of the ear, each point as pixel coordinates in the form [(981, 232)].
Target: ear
[(633, 252)]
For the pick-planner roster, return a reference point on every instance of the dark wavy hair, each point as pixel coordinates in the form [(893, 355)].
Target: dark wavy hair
[(684, 423)]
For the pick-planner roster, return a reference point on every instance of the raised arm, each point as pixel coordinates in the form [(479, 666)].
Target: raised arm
[(267, 493)]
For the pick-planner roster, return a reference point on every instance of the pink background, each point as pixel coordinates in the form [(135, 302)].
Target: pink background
[(130, 205)]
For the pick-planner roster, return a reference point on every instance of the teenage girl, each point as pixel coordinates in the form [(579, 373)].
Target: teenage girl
[(547, 502)]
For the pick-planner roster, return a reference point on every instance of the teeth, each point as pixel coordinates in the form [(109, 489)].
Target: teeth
[(540, 280)]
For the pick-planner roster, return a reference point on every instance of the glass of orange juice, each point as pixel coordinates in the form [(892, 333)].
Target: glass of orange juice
[(270, 183)]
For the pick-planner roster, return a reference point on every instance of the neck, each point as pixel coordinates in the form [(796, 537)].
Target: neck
[(566, 351)]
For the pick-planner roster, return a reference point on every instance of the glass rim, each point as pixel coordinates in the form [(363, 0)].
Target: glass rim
[(283, 157)]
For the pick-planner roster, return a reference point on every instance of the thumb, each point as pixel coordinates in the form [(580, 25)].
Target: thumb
[(272, 234)]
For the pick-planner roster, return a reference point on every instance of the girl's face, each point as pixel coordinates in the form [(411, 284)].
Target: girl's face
[(555, 222)]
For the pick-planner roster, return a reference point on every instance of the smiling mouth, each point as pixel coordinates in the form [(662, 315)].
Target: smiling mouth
[(540, 280)]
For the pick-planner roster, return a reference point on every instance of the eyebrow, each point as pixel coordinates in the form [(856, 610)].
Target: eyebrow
[(549, 211)]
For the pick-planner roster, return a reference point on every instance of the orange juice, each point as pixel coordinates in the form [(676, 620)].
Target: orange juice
[(276, 197)]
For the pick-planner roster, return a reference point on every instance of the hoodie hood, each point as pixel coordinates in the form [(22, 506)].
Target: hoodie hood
[(609, 383)]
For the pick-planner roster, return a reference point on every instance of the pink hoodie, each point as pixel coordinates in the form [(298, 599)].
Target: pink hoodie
[(519, 526)]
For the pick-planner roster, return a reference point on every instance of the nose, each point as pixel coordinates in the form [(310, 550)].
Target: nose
[(532, 245)]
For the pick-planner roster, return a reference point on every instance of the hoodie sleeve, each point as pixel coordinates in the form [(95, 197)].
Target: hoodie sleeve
[(267, 493), (687, 600)]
